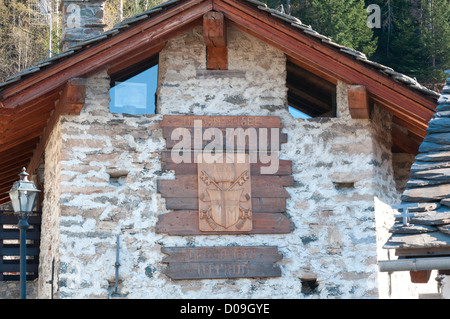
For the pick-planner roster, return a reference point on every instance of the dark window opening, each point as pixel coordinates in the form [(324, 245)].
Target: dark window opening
[(308, 94), (309, 286), (133, 90)]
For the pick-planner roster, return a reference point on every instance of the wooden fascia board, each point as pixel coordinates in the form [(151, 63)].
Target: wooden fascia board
[(381, 88), (151, 32)]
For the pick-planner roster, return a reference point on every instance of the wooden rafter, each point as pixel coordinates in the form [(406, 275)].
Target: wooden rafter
[(71, 102)]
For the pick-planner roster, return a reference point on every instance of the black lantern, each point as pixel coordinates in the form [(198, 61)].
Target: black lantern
[(23, 197)]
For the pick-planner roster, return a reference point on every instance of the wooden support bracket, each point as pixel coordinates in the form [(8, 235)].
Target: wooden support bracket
[(358, 102), (73, 96), (215, 37)]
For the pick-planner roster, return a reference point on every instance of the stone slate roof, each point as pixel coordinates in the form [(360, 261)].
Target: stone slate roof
[(404, 79), (428, 187)]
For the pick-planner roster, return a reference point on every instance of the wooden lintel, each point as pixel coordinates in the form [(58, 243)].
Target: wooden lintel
[(358, 102), (73, 97), (215, 37)]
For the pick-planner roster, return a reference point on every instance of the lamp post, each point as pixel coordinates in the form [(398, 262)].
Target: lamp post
[(23, 197)]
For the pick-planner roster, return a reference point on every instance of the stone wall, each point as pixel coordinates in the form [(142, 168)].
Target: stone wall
[(11, 289), (51, 211), (110, 164)]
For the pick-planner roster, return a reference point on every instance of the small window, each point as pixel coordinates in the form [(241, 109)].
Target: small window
[(298, 114), (133, 91), (308, 94)]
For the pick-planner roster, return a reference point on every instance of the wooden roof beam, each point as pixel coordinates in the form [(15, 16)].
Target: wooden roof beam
[(70, 102), (358, 102), (73, 97)]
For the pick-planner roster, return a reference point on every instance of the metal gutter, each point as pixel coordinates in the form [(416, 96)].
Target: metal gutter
[(415, 264)]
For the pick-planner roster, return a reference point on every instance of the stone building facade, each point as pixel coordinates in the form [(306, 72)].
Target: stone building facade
[(101, 171), (103, 168)]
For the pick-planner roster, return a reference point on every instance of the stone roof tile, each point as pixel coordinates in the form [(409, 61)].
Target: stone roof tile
[(429, 185)]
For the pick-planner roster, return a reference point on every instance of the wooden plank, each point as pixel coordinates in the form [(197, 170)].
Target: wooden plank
[(264, 186), (285, 166), (259, 205), (214, 29), (423, 252), (227, 121), (185, 223), (190, 271), (358, 102), (16, 267), (15, 234), (217, 58), (215, 38), (228, 138), (12, 220), (14, 250), (221, 262), (226, 254)]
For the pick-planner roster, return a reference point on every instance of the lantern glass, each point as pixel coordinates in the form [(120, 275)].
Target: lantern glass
[(14, 195), (23, 194)]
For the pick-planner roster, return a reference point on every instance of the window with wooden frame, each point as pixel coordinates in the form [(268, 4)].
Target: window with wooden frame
[(308, 94), (133, 90)]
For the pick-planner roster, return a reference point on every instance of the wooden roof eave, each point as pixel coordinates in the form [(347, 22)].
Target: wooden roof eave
[(148, 33)]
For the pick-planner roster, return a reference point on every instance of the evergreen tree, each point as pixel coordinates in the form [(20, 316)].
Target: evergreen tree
[(344, 21), (435, 36)]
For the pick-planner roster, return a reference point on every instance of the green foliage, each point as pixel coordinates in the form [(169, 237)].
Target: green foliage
[(23, 40), (344, 21), (415, 38)]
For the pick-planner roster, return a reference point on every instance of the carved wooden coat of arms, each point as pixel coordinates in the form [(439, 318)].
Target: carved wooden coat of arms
[(224, 189)]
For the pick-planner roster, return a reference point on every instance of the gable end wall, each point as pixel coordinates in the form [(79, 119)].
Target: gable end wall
[(110, 164)]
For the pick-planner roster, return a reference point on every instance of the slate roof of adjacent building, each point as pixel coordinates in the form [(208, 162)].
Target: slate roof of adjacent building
[(428, 188)]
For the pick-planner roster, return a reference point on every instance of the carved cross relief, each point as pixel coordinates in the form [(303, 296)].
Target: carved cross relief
[(224, 189)]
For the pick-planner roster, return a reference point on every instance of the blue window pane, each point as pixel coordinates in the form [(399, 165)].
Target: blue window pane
[(298, 114), (137, 95)]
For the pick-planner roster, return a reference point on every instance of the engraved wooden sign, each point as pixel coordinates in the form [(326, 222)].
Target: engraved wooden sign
[(224, 193), (221, 262), (231, 197)]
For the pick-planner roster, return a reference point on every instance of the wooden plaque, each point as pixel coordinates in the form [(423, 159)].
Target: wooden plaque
[(221, 262), (210, 198), (224, 193)]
